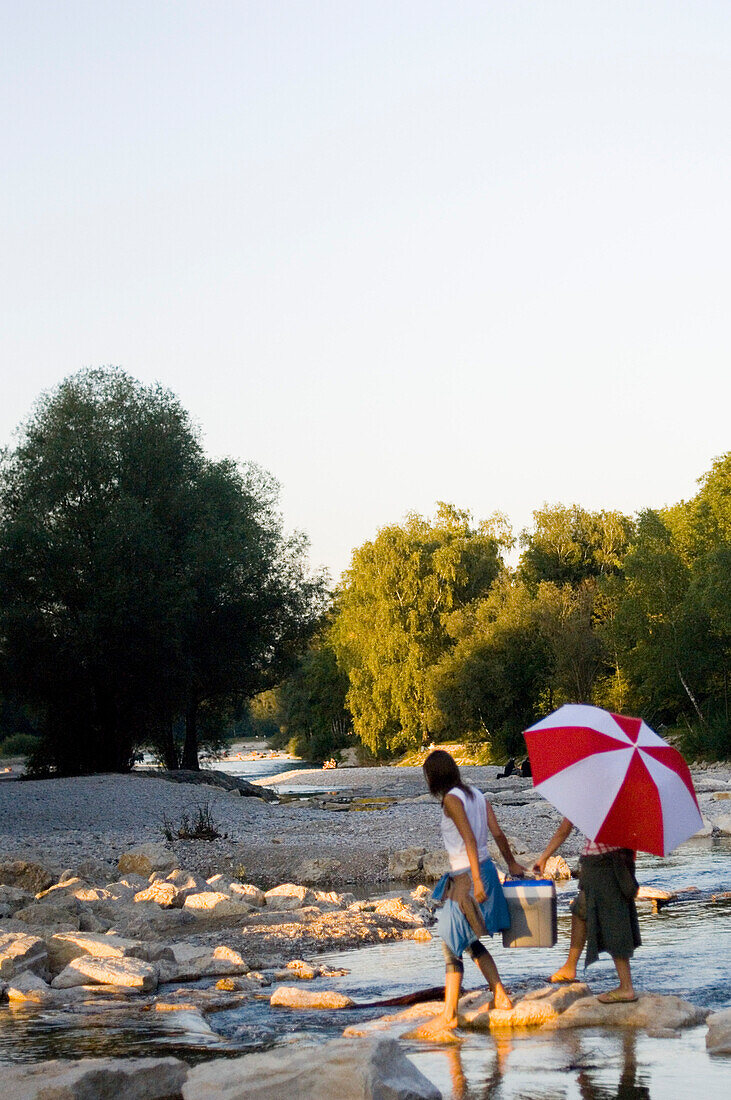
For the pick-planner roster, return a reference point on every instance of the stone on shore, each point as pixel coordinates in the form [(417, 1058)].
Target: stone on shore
[(718, 1038), (190, 962), (650, 1010), (406, 863), (64, 947), (289, 896), (146, 858), (339, 1070), (19, 951), (250, 893), (28, 988), (291, 996), (12, 898), (435, 864), (125, 973), (96, 1079), (25, 875), (165, 894)]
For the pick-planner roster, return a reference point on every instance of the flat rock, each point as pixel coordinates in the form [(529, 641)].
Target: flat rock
[(20, 951), (338, 1070), (123, 972), (165, 894), (718, 1038), (64, 947), (28, 988), (250, 893), (146, 858), (96, 1079), (291, 996), (650, 1010)]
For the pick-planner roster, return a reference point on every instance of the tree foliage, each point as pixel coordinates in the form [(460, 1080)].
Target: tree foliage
[(390, 627), (138, 578)]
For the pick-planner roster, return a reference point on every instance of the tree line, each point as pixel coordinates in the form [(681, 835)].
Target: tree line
[(432, 636), (150, 598)]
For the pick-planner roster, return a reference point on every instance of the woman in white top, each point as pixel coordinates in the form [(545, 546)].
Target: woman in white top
[(466, 818)]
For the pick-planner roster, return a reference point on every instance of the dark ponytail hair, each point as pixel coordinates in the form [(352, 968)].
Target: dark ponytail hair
[(441, 774)]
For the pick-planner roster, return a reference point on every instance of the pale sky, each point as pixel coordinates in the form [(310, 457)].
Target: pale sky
[(392, 252)]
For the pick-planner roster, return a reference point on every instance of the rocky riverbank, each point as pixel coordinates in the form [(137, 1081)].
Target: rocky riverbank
[(101, 917)]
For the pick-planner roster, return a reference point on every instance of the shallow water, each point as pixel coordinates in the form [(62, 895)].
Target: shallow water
[(685, 951)]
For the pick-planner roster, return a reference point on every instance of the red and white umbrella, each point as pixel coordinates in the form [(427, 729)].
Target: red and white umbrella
[(615, 779)]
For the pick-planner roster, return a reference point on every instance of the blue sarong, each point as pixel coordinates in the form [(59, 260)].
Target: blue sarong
[(454, 928)]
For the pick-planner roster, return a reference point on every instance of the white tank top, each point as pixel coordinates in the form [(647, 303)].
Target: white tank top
[(476, 811)]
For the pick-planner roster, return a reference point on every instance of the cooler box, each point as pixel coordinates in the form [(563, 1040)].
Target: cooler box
[(532, 906)]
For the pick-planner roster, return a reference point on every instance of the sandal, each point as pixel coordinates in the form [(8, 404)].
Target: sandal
[(616, 997)]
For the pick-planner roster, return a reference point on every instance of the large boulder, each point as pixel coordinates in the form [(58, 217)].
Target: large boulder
[(12, 898), (406, 862), (338, 1070), (435, 864), (62, 910), (125, 973), (146, 858), (19, 951), (250, 893), (64, 947), (650, 1010), (289, 895), (96, 1079), (27, 876), (29, 989), (165, 894), (190, 962), (718, 1039)]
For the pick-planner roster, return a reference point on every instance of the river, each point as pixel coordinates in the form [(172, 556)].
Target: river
[(685, 951)]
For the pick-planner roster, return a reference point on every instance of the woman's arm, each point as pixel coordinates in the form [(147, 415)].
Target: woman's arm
[(454, 809), (501, 840), (553, 845)]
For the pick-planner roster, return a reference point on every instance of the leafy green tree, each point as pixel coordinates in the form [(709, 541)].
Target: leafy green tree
[(390, 626), (312, 710), (570, 544), (565, 615), (115, 576), (489, 686)]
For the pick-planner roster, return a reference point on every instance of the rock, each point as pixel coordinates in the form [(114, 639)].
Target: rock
[(208, 899), (718, 1039), (719, 796), (64, 887), (28, 988), (313, 872), (289, 896), (339, 1070), (13, 898), (396, 909), (302, 969), (420, 935), (95, 870), (26, 876), (165, 894), (191, 962), (148, 921), (421, 895), (146, 858), (292, 996), (537, 1009), (125, 973), (19, 951), (406, 863), (435, 864), (96, 1079), (649, 1010), (64, 947), (252, 894), (557, 868), (186, 883), (62, 910)]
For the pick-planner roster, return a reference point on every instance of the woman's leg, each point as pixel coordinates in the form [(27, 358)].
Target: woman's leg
[(486, 963), (452, 988), (625, 990)]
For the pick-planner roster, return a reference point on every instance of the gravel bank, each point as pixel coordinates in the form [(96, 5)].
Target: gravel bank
[(59, 822)]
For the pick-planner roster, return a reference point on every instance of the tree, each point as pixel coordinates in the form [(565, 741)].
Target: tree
[(389, 630), (312, 709), (565, 616), (489, 686), (121, 598), (570, 544)]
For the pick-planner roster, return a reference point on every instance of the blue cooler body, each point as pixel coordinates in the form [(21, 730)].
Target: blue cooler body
[(532, 907)]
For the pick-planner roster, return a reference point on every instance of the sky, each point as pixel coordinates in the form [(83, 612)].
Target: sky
[(393, 252)]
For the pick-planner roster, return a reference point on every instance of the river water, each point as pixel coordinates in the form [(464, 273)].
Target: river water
[(686, 951)]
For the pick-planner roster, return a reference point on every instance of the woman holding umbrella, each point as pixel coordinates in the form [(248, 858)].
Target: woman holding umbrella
[(627, 790), (603, 914)]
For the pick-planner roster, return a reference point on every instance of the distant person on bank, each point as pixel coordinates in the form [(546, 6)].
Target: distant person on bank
[(603, 914), (474, 903)]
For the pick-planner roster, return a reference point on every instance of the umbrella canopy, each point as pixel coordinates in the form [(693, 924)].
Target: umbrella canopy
[(613, 778)]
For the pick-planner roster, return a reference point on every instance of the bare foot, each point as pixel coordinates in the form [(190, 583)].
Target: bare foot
[(501, 998), (564, 974), (436, 1027)]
